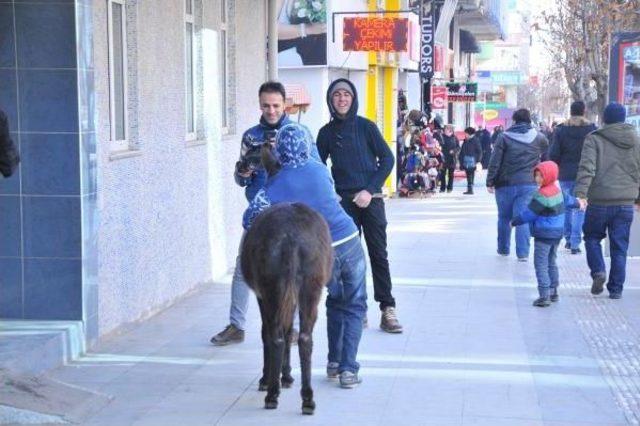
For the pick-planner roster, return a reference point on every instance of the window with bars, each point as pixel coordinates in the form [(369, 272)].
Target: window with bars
[(118, 101)]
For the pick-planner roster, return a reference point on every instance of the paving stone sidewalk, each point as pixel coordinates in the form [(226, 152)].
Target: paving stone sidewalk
[(474, 350)]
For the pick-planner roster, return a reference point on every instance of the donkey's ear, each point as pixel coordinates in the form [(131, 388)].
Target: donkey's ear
[(269, 161)]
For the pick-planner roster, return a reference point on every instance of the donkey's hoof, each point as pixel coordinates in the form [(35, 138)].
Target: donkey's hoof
[(286, 382), (271, 405), (308, 408)]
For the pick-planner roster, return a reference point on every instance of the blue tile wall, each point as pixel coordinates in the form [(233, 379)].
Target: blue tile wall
[(51, 227), (50, 164), (11, 288), (51, 289), (11, 226), (48, 100), (7, 41), (45, 35), (48, 241)]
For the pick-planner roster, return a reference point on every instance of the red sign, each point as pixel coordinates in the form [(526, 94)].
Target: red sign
[(375, 34), (439, 95)]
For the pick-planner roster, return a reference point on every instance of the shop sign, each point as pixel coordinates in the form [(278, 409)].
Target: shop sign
[(462, 92), (438, 97), (375, 34), (427, 41)]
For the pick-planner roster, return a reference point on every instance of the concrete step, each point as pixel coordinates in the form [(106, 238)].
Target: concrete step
[(33, 347)]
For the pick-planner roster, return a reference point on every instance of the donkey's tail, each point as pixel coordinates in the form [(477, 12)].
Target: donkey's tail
[(288, 285)]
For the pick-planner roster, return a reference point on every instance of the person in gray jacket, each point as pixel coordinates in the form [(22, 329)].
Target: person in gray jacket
[(510, 176), (608, 182)]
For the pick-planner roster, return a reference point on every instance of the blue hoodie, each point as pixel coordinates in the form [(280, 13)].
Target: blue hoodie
[(301, 179)]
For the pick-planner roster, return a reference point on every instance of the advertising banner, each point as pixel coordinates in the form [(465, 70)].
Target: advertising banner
[(439, 97), (427, 41), (462, 92), (375, 34), (302, 33)]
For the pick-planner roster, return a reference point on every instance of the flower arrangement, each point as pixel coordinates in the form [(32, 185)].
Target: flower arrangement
[(308, 12)]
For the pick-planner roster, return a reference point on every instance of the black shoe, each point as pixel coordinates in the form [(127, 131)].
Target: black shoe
[(467, 193), (597, 286), (542, 302), (441, 191), (615, 295), (567, 246), (576, 251), (230, 334), (449, 191)]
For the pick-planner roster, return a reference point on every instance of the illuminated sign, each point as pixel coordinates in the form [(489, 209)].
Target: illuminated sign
[(375, 34), (462, 92)]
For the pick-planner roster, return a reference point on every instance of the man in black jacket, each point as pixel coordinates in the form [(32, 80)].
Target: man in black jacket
[(450, 149), (9, 157), (360, 163), (566, 149)]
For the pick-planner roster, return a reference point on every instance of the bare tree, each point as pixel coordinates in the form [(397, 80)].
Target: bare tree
[(577, 34)]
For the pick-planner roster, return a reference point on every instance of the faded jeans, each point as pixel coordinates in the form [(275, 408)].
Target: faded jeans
[(511, 201), (573, 219)]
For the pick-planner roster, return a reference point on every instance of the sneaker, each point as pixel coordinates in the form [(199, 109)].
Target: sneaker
[(597, 285), (389, 321), (449, 191), (349, 380), (542, 302), (230, 334), (332, 370), (567, 246), (467, 193), (523, 259), (503, 254), (615, 295), (554, 296), (576, 251)]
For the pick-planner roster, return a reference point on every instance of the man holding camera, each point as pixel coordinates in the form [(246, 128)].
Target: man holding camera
[(250, 174)]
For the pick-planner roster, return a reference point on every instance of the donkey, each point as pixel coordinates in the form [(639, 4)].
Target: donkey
[(286, 260)]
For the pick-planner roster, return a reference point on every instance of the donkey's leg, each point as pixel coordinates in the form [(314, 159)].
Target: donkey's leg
[(262, 384), (276, 352), (308, 315), (287, 379)]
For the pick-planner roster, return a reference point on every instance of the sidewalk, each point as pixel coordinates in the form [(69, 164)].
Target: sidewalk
[(474, 350)]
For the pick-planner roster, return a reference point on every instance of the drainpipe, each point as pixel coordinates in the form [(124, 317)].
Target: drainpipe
[(272, 56)]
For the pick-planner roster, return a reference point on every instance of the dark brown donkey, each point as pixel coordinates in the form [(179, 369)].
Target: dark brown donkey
[(286, 260)]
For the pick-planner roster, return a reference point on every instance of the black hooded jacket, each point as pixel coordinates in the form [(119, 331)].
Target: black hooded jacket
[(9, 157), (360, 157), (568, 139)]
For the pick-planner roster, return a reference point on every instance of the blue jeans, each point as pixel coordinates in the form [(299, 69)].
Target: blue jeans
[(616, 222), (346, 304), (511, 201), (573, 219), (544, 260)]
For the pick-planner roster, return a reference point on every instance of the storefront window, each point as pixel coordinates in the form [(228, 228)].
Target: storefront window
[(629, 92)]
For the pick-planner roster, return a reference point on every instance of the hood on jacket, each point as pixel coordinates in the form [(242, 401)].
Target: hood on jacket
[(622, 135), (549, 171), (577, 121), (522, 132), (292, 146), (354, 105)]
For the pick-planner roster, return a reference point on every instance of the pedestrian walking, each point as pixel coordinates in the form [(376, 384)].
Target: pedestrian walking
[(566, 148), (250, 174), (545, 217), (516, 152), (494, 136), (449, 145), (485, 142), (360, 163), (307, 181), (9, 157), (470, 156), (609, 182)]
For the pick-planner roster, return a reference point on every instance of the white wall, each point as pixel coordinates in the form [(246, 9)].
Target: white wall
[(335, 56)]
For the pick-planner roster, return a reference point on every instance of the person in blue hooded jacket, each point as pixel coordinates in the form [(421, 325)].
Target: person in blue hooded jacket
[(515, 154), (304, 180), (360, 163), (250, 174)]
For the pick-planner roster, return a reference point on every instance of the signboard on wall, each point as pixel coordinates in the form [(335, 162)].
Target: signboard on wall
[(375, 34), (462, 92), (427, 41), (439, 97)]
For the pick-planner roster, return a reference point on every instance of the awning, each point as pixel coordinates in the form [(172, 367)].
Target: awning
[(297, 99), (468, 43)]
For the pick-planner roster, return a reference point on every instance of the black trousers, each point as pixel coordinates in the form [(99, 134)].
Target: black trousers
[(471, 175), (372, 221), (446, 178)]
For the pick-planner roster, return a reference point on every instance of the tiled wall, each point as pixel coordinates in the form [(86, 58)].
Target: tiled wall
[(47, 99)]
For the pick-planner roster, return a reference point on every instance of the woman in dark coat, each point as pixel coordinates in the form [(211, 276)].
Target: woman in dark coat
[(470, 156)]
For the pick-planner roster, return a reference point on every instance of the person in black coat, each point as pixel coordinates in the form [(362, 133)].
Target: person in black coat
[(485, 143), (470, 156), (360, 163), (449, 145), (9, 157)]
